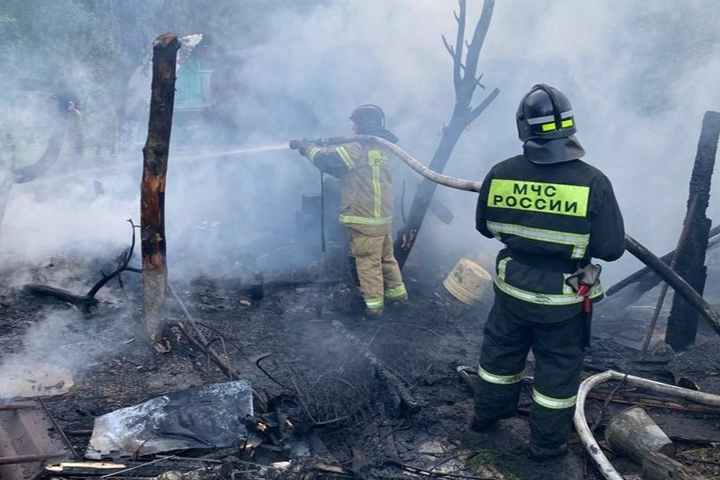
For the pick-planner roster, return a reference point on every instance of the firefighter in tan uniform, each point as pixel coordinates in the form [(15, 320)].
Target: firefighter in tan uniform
[(366, 206)]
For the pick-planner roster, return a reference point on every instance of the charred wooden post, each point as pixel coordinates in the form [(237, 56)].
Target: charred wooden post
[(466, 80), (690, 257), (646, 275), (152, 189), (645, 279), (681, 287), (663, 290), (656, 466)]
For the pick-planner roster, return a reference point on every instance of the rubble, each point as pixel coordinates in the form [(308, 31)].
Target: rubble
[(33, 381), (211, 416)]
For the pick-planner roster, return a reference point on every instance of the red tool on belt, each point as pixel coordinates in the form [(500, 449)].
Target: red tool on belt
[(584, 291), (581, 282)]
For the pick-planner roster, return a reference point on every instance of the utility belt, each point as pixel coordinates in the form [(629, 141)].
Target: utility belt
[(544, 262), (540, 280)]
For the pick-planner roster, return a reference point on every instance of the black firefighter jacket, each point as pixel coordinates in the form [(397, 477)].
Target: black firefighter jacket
[(553, 219)]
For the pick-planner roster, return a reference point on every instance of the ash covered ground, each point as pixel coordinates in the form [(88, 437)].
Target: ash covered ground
[(296, 339)]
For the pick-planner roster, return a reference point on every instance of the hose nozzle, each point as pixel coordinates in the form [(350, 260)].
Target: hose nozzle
[(295, 144)]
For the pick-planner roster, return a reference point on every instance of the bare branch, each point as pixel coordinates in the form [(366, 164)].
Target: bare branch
[(88, 300), (123, 265), (483, 105), (477, 80), (478, 39), (450, 49), (465, 80), (457, 77)]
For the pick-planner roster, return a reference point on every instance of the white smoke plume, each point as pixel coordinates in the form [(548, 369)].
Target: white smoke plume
[(640, 76)]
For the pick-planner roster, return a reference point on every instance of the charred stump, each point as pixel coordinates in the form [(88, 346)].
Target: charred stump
[(690, 257), (466, 80), (152, 189)]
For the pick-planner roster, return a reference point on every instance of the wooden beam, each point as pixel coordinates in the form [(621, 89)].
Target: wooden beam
[(657, 466), (152, 189), (681, 287), (690, 257)]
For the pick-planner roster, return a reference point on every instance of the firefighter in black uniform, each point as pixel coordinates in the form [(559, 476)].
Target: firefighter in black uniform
[(554, 213)]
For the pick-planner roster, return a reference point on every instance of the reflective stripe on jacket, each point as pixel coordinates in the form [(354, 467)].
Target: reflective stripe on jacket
[(366, 202)]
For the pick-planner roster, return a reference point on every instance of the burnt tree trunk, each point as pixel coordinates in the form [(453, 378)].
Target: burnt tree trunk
[(152, 189), (465, 80), (690, 257)]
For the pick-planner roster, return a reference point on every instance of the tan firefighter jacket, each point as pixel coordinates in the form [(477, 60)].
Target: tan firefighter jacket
[(366, 202)]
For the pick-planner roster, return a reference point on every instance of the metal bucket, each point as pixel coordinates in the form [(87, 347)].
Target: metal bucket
[(634, 434), (467, 281)]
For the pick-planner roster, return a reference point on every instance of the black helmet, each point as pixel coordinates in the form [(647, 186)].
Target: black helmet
[(368, 118), (545, 113)]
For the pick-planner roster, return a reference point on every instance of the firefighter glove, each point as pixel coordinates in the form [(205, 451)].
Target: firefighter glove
[(589, 276)]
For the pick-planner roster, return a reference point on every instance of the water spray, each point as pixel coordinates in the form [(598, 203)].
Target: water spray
[(234, 153)]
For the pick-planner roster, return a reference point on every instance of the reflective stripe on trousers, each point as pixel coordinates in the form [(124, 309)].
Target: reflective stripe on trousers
[(374, 303), (553, 403), (377, 269), (499, 379), (396, 292)]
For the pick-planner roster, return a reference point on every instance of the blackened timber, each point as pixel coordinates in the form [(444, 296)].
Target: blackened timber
[(404, 402), (681, 287), (88, 300), (152, 190), (645, 276), (663, 290), (690, 257), (657, 466)]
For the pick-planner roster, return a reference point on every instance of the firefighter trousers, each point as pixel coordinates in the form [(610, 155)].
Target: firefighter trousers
[(377, 270), (558, 351)]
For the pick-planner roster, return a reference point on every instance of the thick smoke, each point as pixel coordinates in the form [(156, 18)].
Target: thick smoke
[(67, 341), (640, 75)]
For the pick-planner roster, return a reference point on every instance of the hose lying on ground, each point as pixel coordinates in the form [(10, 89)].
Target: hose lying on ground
[(586, 436)]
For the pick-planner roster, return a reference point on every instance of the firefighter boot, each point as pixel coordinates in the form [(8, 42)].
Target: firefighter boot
[(539, 454)]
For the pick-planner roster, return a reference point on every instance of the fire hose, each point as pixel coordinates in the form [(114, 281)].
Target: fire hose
[(585, 433), (631, 245)]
